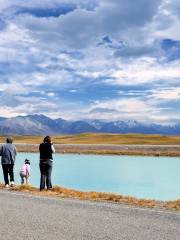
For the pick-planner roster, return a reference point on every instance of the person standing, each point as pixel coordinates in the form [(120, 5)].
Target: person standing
[(46, 150), (8, 154)]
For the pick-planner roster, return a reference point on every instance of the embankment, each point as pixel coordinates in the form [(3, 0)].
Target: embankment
[(61, 192), (144, 150)]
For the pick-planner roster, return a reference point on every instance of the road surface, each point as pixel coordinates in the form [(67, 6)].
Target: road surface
[(27, 217)]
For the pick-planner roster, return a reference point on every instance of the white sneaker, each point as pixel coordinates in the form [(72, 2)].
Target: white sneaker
[(12, 184), (7, 185)]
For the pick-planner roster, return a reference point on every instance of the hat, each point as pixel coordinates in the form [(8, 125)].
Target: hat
[(27, 161)]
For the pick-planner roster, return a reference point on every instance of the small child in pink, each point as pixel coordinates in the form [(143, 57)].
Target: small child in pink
[(25, 171)]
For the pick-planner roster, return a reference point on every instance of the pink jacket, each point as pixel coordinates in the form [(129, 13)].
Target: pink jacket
[(25, 169)]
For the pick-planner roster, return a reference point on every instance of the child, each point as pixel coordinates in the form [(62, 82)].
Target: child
[(25, 171)]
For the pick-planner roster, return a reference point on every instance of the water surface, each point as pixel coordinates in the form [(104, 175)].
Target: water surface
[(142, 177)]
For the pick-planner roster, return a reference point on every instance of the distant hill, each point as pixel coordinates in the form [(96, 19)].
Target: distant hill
[(42, 125)]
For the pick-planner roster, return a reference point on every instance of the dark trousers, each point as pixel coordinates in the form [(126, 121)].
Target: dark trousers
[(8, 171), (46, 170)]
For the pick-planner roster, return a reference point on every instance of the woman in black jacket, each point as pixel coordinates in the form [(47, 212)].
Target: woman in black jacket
[(46, 150)]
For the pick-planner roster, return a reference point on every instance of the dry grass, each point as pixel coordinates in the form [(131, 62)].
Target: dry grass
[(103, 144), (58, 191), (94, 138), (92, 196), (173, 205), (107, 150), (1, 186)]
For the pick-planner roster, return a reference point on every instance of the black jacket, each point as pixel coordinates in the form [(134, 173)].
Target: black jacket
[(46, 151)]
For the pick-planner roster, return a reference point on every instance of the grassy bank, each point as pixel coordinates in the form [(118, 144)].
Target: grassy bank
[(116, 144), (105, 151), (98, 196), (94, 138)]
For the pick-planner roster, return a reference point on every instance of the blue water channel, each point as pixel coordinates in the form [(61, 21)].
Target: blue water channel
[(142, 177)]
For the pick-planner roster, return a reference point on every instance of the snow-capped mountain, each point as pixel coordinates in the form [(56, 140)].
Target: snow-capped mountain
[(42, 125)]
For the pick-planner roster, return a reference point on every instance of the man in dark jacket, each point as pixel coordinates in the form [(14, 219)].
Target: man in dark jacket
[(8, 155)]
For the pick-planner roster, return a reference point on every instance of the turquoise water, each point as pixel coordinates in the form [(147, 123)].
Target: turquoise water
[(142, 177)]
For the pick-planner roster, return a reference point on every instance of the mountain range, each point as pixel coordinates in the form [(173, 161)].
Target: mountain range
[(43, 125)]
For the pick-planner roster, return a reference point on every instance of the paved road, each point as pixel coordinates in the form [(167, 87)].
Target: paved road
[(27, 217)]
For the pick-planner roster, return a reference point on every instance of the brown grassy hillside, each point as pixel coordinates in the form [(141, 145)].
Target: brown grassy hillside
[(91, 138)]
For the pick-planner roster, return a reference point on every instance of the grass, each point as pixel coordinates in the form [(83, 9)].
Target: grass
[(1, 186), (94, 196), (94, 138), (173, 205), (30, 144), (58, 191)]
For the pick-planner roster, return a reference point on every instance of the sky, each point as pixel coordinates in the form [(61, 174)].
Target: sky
[(90, 59)]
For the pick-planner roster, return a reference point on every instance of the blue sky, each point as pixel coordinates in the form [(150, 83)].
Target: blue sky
[(78, 59)]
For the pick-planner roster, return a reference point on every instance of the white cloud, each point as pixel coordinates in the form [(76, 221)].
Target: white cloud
[(44, 55), (8, 112), (115, 18), (125, 105), (72, 90), (167, 94), (51, 94), (144, 71), (172, 32)]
